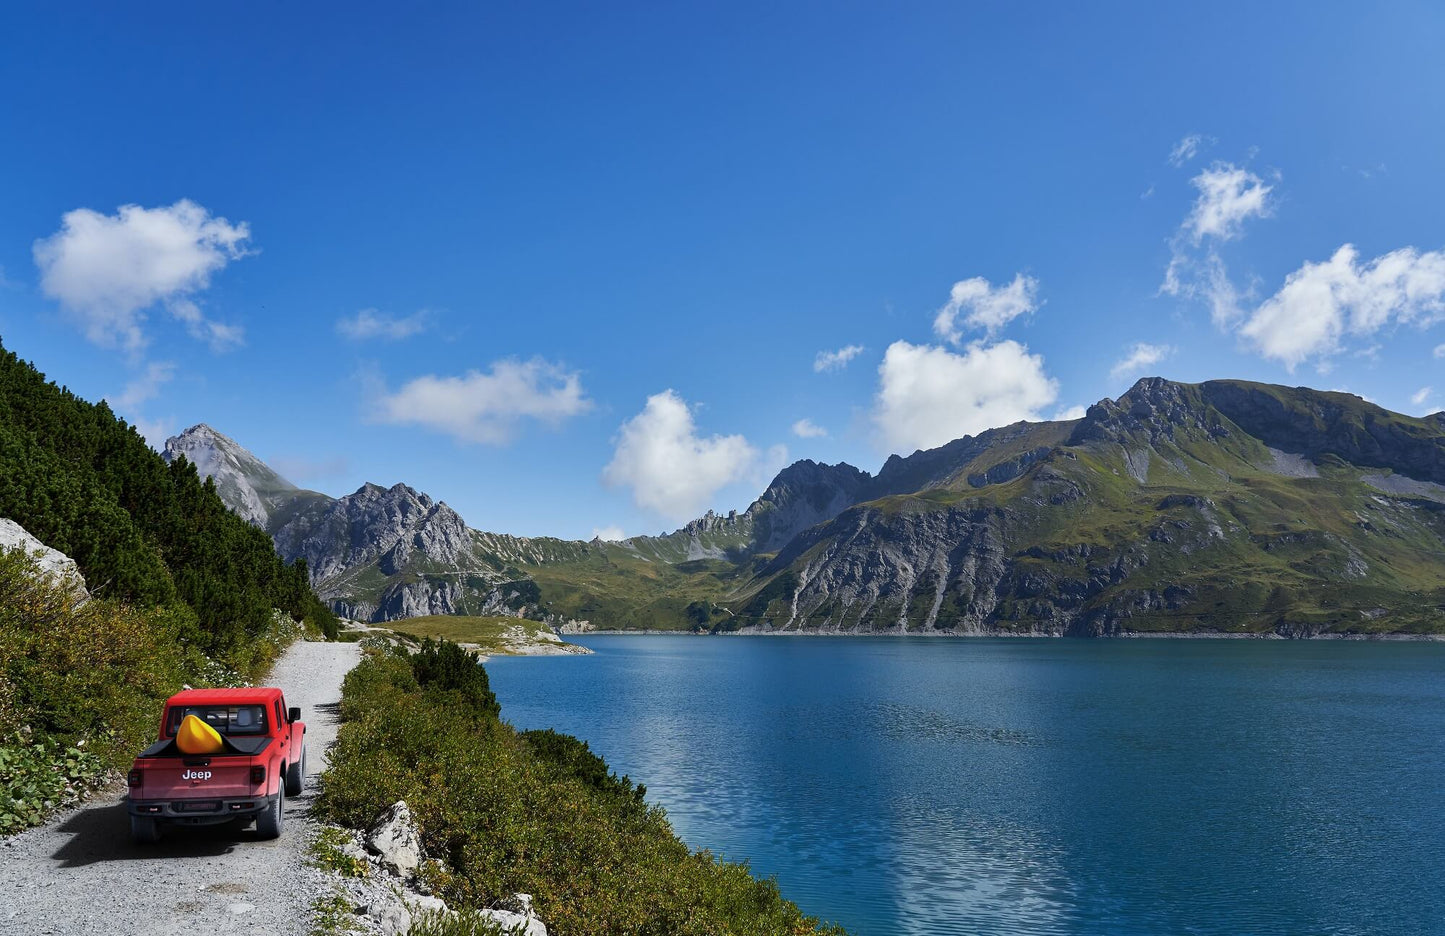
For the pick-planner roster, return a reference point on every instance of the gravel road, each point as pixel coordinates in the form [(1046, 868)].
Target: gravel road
[(80, 875)]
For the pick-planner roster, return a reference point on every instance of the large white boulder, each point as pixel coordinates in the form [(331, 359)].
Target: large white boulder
[(52, 562), (395, 841)]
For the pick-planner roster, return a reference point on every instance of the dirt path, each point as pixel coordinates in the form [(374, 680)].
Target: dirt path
[(81, 875)]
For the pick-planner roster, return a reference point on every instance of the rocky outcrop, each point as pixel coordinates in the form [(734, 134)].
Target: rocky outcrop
[(395, 841), (803, 495), (379, 874), (51, 562)]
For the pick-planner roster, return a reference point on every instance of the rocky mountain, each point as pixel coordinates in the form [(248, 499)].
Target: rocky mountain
[(378, 554), (1224, 506)]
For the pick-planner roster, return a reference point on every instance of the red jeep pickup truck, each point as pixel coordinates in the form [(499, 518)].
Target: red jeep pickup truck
[(261, 760)]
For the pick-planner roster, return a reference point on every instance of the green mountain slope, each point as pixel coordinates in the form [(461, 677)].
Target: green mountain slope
[(1219, 507)]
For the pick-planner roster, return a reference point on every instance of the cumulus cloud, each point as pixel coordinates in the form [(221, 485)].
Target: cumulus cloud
[(1420, 396), (1140, 357), (369, 323), (1322, 303), (669, 467), (609, 534), (807, 429), (986, 306), (1228, 196), (107, 270), (485, 407), (1185, 150), (1440, 352), (930, 395), (835, 360)]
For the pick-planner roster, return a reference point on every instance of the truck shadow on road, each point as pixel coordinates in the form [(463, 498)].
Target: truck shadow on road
[(101, 832)]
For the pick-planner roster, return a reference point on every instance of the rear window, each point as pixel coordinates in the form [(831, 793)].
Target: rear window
[(226, 719)]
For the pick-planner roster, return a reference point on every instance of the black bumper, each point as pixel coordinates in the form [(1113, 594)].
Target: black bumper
[(201, 812)]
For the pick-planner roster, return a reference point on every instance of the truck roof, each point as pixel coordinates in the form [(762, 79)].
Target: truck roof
[(241, 696)]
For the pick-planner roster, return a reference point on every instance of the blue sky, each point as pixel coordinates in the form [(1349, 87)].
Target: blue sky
[(571, 267)]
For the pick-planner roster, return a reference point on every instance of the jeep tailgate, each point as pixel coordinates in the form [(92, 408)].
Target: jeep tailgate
[(197, 778)]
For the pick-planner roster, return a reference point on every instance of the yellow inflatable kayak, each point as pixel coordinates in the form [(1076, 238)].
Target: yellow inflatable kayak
[(197, 737)]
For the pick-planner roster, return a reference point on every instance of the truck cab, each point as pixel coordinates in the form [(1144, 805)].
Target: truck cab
[(260, 760)]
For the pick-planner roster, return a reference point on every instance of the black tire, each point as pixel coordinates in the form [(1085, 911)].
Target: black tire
[(268, 823), (145, 830), (296, 775)]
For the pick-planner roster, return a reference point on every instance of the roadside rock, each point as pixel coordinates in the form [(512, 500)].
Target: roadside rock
[(395, 840), (52, 562)]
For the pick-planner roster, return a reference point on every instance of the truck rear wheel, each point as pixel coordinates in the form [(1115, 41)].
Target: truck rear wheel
[(296, 775), (268, 823), (144, 830)]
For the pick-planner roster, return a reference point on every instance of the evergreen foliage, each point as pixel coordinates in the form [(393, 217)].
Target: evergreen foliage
[(84, 482)]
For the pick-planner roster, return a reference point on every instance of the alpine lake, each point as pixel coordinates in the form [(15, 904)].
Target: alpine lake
[(1039, 786)]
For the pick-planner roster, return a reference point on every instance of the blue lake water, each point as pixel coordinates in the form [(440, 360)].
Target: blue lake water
[(903, 785)]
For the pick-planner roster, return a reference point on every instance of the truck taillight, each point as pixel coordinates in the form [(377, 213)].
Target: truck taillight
[(133, 778), (258, 774)]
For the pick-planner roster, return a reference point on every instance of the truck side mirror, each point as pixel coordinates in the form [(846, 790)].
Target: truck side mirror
[(293, 714)]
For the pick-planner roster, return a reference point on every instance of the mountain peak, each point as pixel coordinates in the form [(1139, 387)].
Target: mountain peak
[(245, 483)]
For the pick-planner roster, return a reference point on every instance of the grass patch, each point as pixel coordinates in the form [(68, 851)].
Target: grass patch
[(537, 814), (489, 634)]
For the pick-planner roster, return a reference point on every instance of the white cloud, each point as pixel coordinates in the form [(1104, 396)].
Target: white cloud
[(1420, 396), (1070, 413), (106, 270), (1140, 357), (670, 469), (807, 429), (1321, 303), (836, 360), (1185, 150), (1228, 196), (929, 395), (369, 323), (1440, 352), (609, 534), (485, 407), (988, 307), (143, 388)]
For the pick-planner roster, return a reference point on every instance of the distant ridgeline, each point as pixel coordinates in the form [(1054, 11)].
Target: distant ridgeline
[(143, 531), (1221, 507)]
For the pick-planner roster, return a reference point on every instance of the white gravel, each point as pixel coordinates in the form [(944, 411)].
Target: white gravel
[(80, 873)]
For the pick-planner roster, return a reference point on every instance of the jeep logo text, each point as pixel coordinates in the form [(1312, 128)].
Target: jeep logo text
[(196, 775)]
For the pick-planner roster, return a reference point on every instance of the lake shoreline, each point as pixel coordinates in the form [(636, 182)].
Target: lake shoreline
[(1130, 635)]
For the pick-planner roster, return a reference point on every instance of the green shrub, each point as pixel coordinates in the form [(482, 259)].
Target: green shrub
[(446, 667), (538, 815), (38, 775), (571, 757)]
